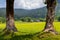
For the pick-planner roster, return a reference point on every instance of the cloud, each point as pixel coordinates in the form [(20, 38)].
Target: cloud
[(29, 4), (25, 4), (2, 3)]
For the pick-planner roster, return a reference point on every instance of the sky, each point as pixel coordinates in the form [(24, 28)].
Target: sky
[(25, 4)]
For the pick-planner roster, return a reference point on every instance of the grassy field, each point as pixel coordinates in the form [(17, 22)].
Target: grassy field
[(30, 31)]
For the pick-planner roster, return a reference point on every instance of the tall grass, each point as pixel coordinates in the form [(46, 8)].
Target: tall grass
[(26, 30)]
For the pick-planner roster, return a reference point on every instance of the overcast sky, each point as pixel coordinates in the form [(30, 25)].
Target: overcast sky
[(25, 4)]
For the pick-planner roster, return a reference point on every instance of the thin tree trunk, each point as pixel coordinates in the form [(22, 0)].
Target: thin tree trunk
[(10, 26), (49, 27)]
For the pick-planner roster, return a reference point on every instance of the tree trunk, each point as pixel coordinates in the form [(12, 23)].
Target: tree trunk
[(49, 27), (10, 26)]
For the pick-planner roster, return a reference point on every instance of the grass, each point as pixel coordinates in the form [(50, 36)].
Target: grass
[(29, 31)]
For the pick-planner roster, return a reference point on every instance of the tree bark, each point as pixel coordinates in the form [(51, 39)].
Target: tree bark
[(49, 27), (10, 26)]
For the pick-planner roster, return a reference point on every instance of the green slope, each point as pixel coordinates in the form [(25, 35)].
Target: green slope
[(35, 13)]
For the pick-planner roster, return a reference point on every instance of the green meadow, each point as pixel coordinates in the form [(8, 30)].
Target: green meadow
[(30, 31)]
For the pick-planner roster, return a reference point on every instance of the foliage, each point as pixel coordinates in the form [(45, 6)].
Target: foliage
[(29, 19), (42, 19), (26, 19), (59, 19), (2, 20)]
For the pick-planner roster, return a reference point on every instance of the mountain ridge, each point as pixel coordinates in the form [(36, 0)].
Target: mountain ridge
[(35, 13)]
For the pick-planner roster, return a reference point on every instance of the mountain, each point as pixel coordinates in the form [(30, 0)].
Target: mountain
[(58, 8), (58, 1), (35, 13), (31, 13)]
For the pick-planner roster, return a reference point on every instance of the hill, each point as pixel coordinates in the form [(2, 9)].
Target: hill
[(35, 13), (23, 13)]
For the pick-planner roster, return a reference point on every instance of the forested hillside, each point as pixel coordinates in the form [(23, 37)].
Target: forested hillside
[(34, 13)]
